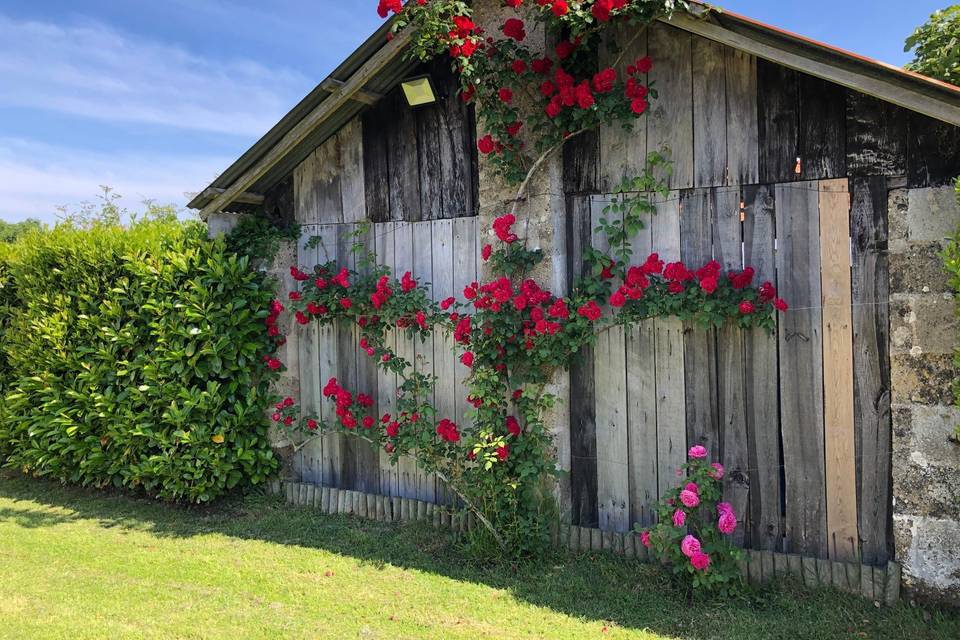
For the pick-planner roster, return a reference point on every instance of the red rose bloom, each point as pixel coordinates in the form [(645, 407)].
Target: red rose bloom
[(485, 145), (780, 304), (519, 66), (513, 426), (746, 308), (467, 358), (513, 28), (505, 94), (503, 453)]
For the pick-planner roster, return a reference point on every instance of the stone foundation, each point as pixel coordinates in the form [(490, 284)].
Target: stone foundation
[(923, 339)]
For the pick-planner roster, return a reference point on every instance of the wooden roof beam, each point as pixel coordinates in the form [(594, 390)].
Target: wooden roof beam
[(340, 96), (244, 198), (364, 96)]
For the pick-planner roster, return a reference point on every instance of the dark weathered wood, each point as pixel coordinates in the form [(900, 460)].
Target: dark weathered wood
[(779, 122), (733, 447), (801, 367), (670, 123), (709, 114), (583, 434), (457, 150), (822, 128), (376, 171), (743, 144), (428, 154), (933, 152), (876, 137), (700, 344), (403, 159), (581, 161), (871, 361)]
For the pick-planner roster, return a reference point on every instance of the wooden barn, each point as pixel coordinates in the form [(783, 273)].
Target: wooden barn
[(826, 171)]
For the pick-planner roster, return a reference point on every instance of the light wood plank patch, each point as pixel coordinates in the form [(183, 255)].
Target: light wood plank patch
[(444, 358), (387, 380), (311, 456), (347, 373), (836, 294), (327, 350), (403, 253), (464, 272), (367, 458), (423, 271)]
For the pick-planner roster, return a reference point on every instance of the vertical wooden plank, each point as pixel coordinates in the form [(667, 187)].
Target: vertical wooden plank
[(839, 447), (367, 458), (428, 152), (671, 396), (779, 122), (709, 113), (328, 182), (376, 170), (580, 163), (871, 363), (613, 488), (728, 249), (876, 136), (457, 150), (347, 361), (307, 210), (329, 366), (743, 136), (423, 271), (350, 139), (387, 380), (760, 380), (823, 133), (402, 158), (671, 121), (623, 152), (700, 343), (444, 359), (933, 151), (403, 256), (311, 456), (642, 404), (464, 272), (801, 367), (582, 399)]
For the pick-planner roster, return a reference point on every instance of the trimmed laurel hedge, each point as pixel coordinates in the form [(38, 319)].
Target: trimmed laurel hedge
[(132, 357)]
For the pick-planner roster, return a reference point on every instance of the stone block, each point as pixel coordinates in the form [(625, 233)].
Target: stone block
[(923, 324), (221, 223), (922, 379), (933, 214), (927, 549), (918, 268)]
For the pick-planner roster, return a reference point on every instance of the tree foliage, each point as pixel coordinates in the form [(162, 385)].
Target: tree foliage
[(936, 46)]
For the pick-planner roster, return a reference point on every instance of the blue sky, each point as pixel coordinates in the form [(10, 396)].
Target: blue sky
[(156, 97)]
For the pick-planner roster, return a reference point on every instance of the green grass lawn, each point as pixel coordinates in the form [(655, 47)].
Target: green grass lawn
[(81, 564)]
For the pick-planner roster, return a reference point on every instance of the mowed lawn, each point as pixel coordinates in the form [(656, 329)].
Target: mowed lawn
[(82, 564)]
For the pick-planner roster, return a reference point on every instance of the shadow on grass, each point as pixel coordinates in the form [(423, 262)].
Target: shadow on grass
[(593, 587)]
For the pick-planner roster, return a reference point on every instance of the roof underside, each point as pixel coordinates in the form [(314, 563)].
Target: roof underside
[(735, 30)]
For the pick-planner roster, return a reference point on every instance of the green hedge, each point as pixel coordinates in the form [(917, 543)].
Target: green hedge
[(132, 357)]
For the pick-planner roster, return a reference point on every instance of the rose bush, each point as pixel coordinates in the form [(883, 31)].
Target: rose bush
[(693, 534)]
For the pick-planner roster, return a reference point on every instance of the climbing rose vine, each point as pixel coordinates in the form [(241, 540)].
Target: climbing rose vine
[(523, 95), (693, 534)]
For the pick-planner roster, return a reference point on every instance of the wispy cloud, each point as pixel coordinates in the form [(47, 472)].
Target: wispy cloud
[(38, 178), (95, 71)]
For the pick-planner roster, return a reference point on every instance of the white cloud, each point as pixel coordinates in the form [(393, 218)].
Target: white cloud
[(37, 178), (97, 72)]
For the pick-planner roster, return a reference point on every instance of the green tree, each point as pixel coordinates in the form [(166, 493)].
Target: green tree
[(936, 46), (12, 231)]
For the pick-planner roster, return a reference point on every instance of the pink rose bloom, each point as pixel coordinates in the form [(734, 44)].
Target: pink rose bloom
[(727, 523), (724, 507), (717, 472), (700, 561), (692, 486), (645, 538), (697, 451), (690, 546), (689, 499), (679, 518)]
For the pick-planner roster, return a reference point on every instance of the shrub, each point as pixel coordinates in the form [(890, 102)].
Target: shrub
[(134, 359)]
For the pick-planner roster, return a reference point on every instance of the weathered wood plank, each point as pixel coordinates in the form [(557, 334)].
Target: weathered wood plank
[(457, 150), (311, 456), (387, 380), (445, 362), (352, 183), (376, 169), (328, 182), (464, 272), (762, 472), (731, 367), (823, 131), (367, 458), (329, 365), (743, 147), (582, 398), (431, 174), (403, 257), (307, 210), (871, 361), (876, 137), (801, 367), (613, 482), (700, 343), (671, 402), (423, 348), (403, 159), (623, 152), (709, 113), (581, 157), (933, 151), (671, 122), (779, 118), (839, 447), (347, 361)]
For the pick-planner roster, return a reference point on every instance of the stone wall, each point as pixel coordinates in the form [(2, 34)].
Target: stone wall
[(923, 339)]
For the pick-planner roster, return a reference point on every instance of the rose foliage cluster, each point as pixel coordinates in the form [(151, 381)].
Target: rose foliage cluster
[(523, 95), (693, 534)]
